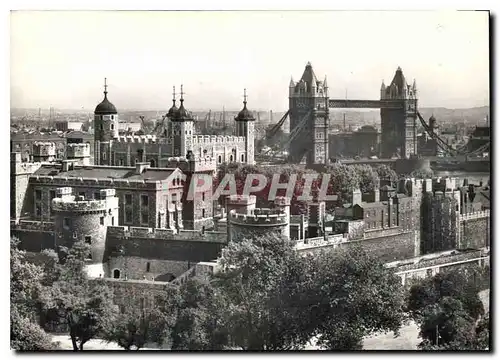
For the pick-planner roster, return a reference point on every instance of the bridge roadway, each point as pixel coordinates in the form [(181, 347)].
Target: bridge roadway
[(440, 159)]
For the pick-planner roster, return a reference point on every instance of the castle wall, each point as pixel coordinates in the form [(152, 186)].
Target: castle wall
[(475, 230), (34, 236), (130, 249), (21, 200), (387, 248)]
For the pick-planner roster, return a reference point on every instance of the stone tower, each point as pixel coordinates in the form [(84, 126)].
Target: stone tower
[(309, 121), (105, 129), (245, 127), (78, 219), (399, 123), (44, 151), (182, 129)]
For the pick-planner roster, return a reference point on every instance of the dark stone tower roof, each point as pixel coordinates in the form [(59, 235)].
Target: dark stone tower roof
[(244, 114), (182, 114), (172, 112), (309, 77), (105, 107), (399, 81)]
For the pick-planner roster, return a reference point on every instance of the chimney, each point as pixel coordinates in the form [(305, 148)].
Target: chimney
[(68, 165), (141, 166)]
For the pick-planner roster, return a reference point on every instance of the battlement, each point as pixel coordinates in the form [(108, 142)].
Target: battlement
[(217, 139), (318, 242), (241, 200), (282, 201), (123, 232), (77, 150), (27, 168), (142, 139), (475, 215), (44, 148), (92, 182), (267, 217), (30, 225), (69, 203)]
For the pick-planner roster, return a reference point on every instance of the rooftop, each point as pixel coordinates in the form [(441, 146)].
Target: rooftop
[(105, 172)]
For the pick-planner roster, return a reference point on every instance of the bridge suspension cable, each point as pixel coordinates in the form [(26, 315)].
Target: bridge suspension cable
[(444, 146), (295, 131)]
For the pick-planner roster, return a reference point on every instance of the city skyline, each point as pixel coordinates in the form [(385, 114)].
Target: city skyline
[(60, 58)]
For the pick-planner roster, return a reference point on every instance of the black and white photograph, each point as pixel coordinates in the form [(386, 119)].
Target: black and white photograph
[(253, 180)]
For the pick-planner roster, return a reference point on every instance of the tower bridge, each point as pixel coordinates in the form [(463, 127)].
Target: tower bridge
[(309, 105)]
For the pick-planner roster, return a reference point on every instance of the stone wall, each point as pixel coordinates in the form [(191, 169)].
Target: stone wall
[(475, 233), (389, 247), (138, 268)]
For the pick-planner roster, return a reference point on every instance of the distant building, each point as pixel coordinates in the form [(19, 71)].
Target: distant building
[(69, 126)]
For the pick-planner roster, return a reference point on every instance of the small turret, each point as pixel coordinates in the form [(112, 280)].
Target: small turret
[(382, 90)]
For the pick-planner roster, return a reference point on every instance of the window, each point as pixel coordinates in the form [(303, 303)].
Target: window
[(97, 196), (112, 221), (148, 267), (116, 274), (128, 199), (144, 200), (242, 157), (88, 240), (66, 223), (220, 159), (101, 220), (231, 158), (52, 194), (104, 155), (144, 218), (202, 196), (203, 213), (102, 127), (81, 193), (128, 215), (120, 162), (38, 194), (38, 210), (112, 125)]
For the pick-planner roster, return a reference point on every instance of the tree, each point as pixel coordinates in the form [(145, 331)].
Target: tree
[(386, 173), (422, 174), (199, 324), (369, 178), (447, 308), (460, 284), (25, 289), (85, 306), (344, 179), (137, 326), (356, 296)]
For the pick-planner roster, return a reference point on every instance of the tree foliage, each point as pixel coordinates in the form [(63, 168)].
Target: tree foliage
[(85, 306), (25, 289), (449, 311), (386, 173)]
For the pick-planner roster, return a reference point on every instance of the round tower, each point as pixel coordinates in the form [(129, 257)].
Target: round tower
[(258, 222), (105, 129), (44, 151), (78, 219), (283, 204)]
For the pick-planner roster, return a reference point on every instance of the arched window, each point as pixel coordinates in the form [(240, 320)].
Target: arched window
[(116, 274), (231, 158), (220, 159)]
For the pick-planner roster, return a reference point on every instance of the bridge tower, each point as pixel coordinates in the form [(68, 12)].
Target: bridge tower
[(399, 125), (308, 104)]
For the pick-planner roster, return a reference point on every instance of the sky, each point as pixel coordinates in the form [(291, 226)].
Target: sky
[(60, 58)]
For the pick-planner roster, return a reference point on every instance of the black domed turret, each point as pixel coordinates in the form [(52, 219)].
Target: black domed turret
[(182, 114), (172, 112), (105, 107), (244, 114)]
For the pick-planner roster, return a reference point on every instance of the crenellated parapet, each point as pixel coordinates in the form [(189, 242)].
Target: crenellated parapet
[(44, 148), (216, 139), (79, 205), (125, 232), (259, 217), (475, 215), (136, 139), (93, 182), (29, 225), (77, 150)]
